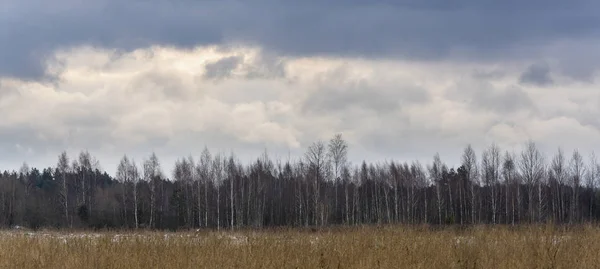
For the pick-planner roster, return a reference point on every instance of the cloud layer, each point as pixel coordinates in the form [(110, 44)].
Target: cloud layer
[(400, 79), (462, 30), (240, 99)]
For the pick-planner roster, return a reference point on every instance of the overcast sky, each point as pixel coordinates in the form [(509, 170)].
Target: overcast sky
[(400, 79)]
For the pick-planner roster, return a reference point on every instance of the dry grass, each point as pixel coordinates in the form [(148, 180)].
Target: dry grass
[(370, 247)]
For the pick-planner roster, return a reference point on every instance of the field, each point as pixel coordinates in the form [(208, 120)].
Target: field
[(357, 247)]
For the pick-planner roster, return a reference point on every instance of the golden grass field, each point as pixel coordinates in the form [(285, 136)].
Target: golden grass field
[(357, 247)]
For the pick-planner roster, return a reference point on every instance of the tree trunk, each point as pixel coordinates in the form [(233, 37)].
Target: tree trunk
[(152, 201), (347, 206), (472, 203), (218, 208), (65, 195), (231, 204), (439, 202), (135, 204), (124, 193)]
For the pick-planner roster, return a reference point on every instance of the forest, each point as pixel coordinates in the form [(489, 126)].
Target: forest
[(322, 188)]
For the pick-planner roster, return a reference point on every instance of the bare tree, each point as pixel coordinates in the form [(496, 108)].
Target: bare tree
[(591, 178), (95, 167), (420, 180), (577, 169), (152, 174), (338, 151), (469, 162), (490, 167), (204, 173), (85, 168), (184, 174), (394, 177), (558, 175), (189, 172), (62, 168), (217, 171), (134, 176), (230, 167), (317, 161), (435, 174), (510, 180), (346, 175), (73, 172), (225, 193), (123, 173), (532, 170), (300, 195)]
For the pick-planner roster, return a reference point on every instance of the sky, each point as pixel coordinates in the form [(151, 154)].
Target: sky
[(401, 80)]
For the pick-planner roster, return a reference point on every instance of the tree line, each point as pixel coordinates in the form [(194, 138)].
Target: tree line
[(321, 188)]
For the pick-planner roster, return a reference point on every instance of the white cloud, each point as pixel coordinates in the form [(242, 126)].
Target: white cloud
[(159, 99)]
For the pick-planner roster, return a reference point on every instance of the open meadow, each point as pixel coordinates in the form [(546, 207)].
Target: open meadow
[(357, 247)]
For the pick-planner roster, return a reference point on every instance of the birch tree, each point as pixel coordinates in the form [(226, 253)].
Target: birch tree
[(134, 176), (123, 176), (511, 182), (204, 177), (316, 159), (62, 168), (591, 177), (490, 167), (531, 166), (435, 175), (184, 173), (338, 152), (217, 172), (469, 162), (152, 174), (231, 175), (577, 172), (558, 175), (85, 169)]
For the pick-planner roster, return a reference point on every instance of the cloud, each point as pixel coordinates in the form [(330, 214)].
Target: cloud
[(222, 68), (338, 91), (113, 102), (537, 74), (463, 30), (150, 99), (576, 59), (485, 96)]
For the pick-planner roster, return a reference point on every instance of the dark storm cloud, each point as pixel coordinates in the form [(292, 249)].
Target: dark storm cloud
[(537, 74), (414, 29)]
